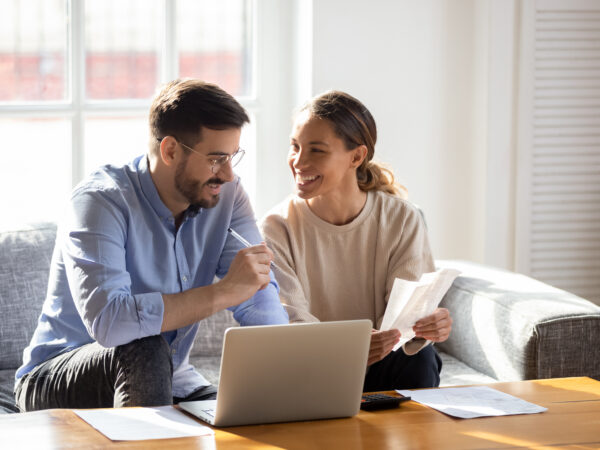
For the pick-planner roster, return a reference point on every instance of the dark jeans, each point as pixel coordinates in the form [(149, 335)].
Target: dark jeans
[(400, 371), (135, 374)]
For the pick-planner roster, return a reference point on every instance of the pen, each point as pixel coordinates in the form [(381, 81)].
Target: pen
[(240, 238)]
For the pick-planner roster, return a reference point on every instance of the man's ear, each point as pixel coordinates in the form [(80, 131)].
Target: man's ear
[(168, 150), (358, 155)]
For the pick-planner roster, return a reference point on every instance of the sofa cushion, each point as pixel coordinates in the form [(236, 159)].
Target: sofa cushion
[(209, 339), (456, 373), (512, 327), (24, 261)]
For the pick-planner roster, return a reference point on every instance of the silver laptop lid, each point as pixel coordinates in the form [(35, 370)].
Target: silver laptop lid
[(283, 373)]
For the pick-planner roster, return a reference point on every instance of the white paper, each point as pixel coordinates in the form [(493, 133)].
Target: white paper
[(412, 300), (469, 402), (134, 424)]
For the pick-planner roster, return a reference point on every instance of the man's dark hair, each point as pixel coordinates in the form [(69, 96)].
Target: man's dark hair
[(184, 106)]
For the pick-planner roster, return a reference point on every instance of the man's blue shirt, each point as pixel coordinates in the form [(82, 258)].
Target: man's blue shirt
[(118, 251)]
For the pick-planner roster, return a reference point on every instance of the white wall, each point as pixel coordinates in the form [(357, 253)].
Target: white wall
[(276, 90), (420, 66)]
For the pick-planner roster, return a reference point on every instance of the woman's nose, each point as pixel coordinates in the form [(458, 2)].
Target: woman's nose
[(299, 159)]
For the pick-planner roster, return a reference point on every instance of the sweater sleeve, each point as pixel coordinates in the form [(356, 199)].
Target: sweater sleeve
[(292, 295), (410, 259)]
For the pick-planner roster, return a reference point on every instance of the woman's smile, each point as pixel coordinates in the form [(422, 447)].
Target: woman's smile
[(304, 180)]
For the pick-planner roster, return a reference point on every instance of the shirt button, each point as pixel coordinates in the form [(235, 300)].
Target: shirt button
[(184, 278)]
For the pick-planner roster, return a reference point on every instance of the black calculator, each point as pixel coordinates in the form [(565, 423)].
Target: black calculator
[(371, 402)]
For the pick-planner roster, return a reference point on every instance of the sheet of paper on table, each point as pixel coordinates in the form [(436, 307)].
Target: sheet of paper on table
[(470, 402), (410, 301), (135, 424)]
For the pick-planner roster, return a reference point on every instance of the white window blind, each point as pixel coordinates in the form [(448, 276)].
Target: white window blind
[(558, 196)]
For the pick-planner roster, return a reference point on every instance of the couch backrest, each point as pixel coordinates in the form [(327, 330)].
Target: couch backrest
[(211, 331), (25, 256)]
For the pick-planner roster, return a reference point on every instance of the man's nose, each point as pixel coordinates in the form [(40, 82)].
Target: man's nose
[(225, 171)]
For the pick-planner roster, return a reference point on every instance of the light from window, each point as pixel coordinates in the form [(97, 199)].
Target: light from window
[(122, 46), (77, 77), (114, 138), (35, 176), (33, 50), (214, 43)]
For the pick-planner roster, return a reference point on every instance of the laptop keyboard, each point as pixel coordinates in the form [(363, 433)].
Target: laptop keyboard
[(209, 412)]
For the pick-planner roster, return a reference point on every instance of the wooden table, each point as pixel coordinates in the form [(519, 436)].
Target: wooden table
[(572, 420)]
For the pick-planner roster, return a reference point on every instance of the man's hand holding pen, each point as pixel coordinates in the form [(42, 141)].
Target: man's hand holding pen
[(249, 271)]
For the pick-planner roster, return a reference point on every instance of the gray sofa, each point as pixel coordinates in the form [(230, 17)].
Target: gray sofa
[(506, 326)]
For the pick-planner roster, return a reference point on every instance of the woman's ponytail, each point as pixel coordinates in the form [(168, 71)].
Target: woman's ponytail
[(373, 176)]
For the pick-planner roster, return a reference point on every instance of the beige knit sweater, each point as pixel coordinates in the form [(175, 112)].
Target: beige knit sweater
[(329, 272)]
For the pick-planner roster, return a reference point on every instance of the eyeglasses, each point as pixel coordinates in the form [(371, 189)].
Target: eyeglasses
[(217, 161)]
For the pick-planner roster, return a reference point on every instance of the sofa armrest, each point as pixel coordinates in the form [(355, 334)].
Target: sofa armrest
[(25, 254), (512, 327)]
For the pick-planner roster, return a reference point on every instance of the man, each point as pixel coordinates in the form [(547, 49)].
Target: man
[(134, 263)]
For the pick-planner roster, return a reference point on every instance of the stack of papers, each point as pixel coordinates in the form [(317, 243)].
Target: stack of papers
[(135, 424), (412, 300), (470, 402)]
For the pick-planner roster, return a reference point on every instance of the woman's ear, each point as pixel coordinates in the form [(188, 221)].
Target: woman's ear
[(358, 155)]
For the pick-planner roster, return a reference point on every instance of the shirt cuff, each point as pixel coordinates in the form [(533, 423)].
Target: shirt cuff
[(415, 345), (150, 309), (264, 308)]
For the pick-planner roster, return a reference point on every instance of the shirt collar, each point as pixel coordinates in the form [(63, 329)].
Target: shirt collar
[(149, 189)]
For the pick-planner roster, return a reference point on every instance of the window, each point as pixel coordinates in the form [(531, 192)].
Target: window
[(77, 80)]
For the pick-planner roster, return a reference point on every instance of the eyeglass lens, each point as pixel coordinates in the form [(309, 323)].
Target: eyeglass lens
[(237, 157), (233, 160)]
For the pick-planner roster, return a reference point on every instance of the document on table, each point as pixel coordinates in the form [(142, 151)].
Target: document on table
[(470, 402), (412, 300), (135, 424)]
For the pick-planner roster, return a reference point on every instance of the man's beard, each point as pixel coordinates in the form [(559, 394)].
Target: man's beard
[(190, 189)]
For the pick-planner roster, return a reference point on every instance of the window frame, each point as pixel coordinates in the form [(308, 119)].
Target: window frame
[(76, 106)]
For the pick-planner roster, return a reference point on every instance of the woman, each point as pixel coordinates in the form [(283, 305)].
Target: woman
[(345, 236)]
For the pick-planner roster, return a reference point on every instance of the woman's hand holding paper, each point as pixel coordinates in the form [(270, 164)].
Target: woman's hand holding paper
[(435, 327), (382, 343)]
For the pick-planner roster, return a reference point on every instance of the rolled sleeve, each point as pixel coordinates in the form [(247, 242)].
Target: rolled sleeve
[(150, 309), (95, 263), (264, 308), (414, 346)]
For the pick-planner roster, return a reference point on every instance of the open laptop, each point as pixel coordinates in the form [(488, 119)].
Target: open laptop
[(284, 373)]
